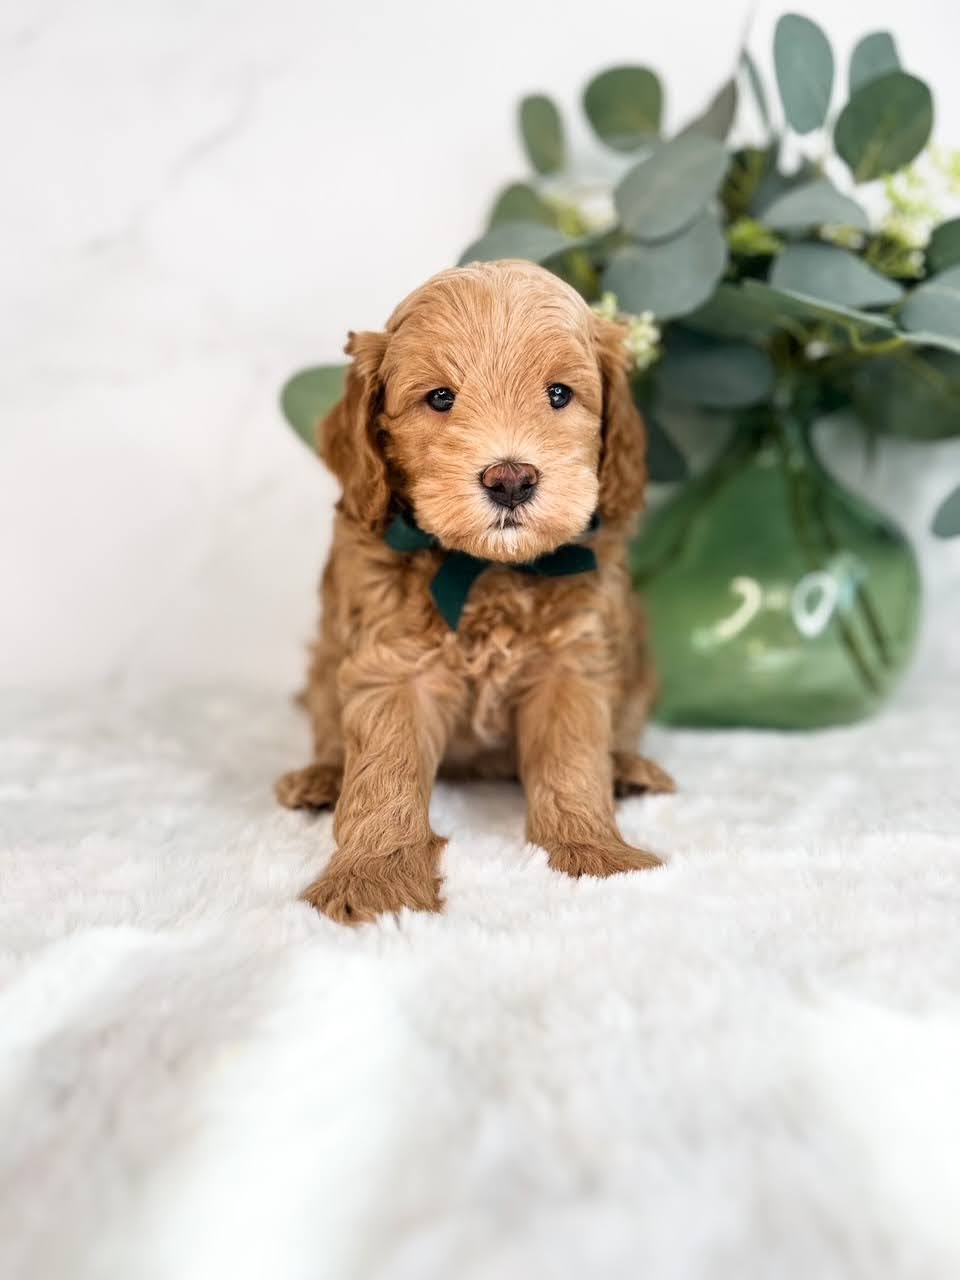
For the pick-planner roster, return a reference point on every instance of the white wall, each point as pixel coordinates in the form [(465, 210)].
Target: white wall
[(199, 196)]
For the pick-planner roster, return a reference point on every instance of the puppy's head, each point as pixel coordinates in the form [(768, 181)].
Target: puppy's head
[(496, 409)]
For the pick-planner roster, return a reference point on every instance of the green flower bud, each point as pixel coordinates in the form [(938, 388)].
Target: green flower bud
[(752, 239), (845, 237)]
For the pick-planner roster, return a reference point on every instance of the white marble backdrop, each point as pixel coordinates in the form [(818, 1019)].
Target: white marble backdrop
[(199, 196)]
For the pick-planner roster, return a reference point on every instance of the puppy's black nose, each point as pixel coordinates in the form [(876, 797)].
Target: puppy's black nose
[(510, 484)]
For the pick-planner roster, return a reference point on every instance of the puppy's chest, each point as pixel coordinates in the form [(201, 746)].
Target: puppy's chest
[(508, 634)]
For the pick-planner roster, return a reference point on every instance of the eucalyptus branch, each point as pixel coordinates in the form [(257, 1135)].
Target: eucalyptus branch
[(882, 348)]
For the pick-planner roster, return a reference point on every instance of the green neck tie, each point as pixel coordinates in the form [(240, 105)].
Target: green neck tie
[(452, 582)]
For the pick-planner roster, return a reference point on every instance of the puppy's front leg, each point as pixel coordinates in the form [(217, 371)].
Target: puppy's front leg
[(394, 735), (564, 736)]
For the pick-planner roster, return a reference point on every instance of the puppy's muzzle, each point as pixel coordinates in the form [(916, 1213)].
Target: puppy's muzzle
[(510, 484)]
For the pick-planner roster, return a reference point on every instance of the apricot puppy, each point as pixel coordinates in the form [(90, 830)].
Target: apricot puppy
[(477, 618)]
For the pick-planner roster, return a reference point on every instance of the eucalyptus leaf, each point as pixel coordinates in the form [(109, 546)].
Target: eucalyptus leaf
[(520, 203), (716, 120), (542, 131), (885, 125), (308, 397), (715, 373), (775, 183), (804, 65), (518, 240), (672, 277), (934, 306), (911, 394), (732, 312), (794, 306), (756, 86), (923, 338), (814, 204), (664, 193), (873, 56), (624, 105), (944, 248), (946, 523), (832, 275)]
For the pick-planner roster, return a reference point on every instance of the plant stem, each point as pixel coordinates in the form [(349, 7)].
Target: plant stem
[(798, 485), (861, 595), (881, 348)]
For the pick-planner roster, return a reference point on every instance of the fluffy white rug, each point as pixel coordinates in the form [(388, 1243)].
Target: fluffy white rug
[(747, 1064)]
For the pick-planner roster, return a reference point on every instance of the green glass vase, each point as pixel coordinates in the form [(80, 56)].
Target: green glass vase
[(775, 598)]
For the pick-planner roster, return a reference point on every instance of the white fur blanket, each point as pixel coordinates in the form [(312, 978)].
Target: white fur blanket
[(746, 1064)]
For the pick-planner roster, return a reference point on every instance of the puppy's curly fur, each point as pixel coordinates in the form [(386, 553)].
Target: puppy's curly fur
[(545, 678)]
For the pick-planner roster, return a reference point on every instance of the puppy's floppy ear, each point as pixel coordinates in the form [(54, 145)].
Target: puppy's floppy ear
[(623, 470), (347, 437)]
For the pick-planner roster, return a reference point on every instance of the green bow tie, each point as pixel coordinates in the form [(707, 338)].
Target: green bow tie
[(452, 582)]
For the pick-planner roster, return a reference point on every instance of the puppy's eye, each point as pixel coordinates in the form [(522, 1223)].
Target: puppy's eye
[(559, 394), (441, 399)]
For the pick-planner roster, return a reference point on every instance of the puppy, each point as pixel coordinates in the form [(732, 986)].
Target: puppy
[(477, 614)]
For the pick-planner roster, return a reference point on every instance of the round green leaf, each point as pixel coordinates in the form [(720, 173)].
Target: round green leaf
[(716, 120), (732, 312), (832, 275), (885, 125), (790, 305), (714, 373), (921, 338), (774, 183), (529, 240), (804, 64), (946, 523), (944, 248), (309, 396), (624, 106), (542, 131), (665, 192), (814, 204), (933, 308), (520, 203), (911, 394), (873, 56), (670, 278)]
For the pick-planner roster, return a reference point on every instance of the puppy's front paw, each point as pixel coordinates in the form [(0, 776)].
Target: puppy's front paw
[(602, 859), (315, 787), (356, 891), (636, 773)]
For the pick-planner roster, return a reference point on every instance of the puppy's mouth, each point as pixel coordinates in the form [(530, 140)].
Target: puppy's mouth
[(509, 533), (507, 520)]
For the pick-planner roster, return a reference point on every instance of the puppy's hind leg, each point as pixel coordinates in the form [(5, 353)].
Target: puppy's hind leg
[(315, 787), (633, 774), (318, 785)]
